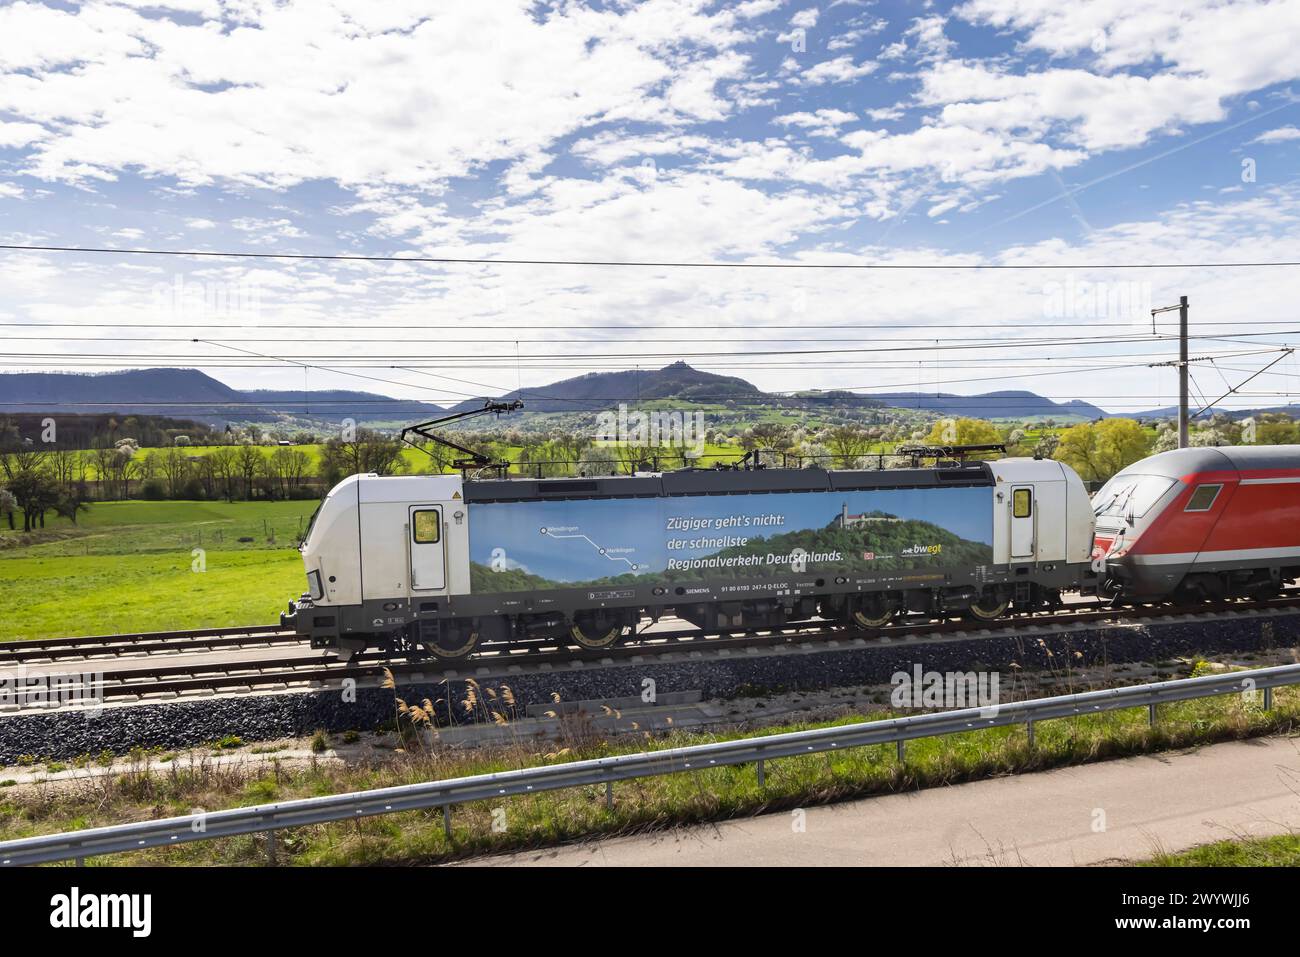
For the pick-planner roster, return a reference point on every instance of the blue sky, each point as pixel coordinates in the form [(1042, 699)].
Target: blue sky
[(986, 132)]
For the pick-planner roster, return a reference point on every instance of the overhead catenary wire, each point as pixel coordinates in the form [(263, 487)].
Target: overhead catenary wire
[(629, 263)]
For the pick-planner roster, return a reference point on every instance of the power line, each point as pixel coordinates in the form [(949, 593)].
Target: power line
[(638, 264), (1141, 322)]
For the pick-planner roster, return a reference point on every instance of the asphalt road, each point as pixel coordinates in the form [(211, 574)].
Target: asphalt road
[(1092, 814)]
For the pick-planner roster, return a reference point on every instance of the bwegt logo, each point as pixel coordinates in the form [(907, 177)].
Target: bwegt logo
[(652, 428), (75, 910), (57, 689), (945, 689)]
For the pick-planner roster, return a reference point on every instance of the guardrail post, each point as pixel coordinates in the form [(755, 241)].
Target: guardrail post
[(1151, 714), (609, 795), (446, 821), (270, 847), (1268, 699), (762, 774), (902, 751), (1029, 727), (81, 862)]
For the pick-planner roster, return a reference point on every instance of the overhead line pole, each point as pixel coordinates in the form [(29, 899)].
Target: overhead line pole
[(1183, 439)]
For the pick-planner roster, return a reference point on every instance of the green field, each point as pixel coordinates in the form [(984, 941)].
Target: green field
[(132, 566)]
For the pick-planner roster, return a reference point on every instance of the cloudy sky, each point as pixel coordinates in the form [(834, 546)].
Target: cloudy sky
[(988, 133)]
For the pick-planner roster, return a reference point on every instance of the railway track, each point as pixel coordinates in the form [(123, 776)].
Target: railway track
[(120, 671), (143, 643)]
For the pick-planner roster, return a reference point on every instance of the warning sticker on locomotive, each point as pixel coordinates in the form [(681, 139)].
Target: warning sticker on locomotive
[(526, 546)]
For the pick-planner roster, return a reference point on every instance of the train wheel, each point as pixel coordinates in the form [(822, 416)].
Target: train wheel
[(596, 631), (989, 607), (455, 639), (871, 613)]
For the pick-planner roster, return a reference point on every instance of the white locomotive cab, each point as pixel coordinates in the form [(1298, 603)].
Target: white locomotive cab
[(388, 537), (1041, 513)]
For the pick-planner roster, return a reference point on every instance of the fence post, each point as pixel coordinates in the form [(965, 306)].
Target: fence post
[(270, 847), (1268, 699), (1151, 714), (1029, 726), (446, 821), (609, 795), (762, 774), (902, 751)]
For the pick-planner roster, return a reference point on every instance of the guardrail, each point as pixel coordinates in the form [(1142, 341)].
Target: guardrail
[(268, 818)]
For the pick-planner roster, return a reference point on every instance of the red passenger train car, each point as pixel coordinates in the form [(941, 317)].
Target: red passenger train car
[(1202, 522)]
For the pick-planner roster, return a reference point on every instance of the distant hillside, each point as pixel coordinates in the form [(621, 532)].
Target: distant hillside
[(170, 392), (193, 395), (601, 390), (1171, 412), (1010, 404), (342, 403)]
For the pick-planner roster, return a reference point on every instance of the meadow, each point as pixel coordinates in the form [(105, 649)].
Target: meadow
[(152, 566)]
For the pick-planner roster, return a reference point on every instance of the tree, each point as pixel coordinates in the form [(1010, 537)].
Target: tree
[(249, 464), (369, 451), (8, 505), (36, 492), (963, 432), (176, 469), (1098, 450), (767, 435), (848, 443), (286, 467), (222, 463)]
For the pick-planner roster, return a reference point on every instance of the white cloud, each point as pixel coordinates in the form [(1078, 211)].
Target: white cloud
[(805, 19), (418, 96), (839, 70), (819, 123), (851, 38), (19, 134), (1282, 134)]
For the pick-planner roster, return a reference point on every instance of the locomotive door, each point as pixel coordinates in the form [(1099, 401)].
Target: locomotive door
[(428, 560), (1022, 522)]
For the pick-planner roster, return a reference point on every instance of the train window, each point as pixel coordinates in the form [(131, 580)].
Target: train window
[(426, 527), (1022, 503), (1202, 498)]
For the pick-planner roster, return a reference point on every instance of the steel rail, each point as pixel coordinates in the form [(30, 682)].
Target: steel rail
[(131, 641), (268, 818), (198, 677)]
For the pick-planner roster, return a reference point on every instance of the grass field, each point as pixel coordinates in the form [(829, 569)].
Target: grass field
[(132, 566), (1280, 851)]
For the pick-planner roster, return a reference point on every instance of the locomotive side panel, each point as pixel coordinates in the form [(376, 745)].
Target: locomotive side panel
[(657, 550)]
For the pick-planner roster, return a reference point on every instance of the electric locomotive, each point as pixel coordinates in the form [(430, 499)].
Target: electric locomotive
[(440, 563)]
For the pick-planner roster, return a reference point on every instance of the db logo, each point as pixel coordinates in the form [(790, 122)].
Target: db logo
[(869, 556)]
